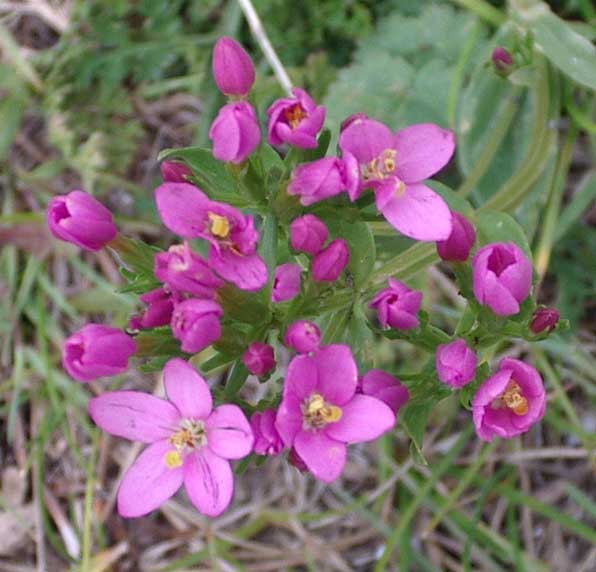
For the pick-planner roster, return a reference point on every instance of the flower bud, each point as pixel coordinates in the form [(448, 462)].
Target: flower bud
[(160, 305), (82, 220), (502, 277), (502, 61), (352, 119), (303, 336), (308, 234), (259, 358), (96, 351), (267, 439), (397, 306), (296, 460), (235, 132), (196, 324), (233, 69), (385, 387), (328, 264), (174, 172), (458, 245), (456, 363), (286, 282), (544, 319)]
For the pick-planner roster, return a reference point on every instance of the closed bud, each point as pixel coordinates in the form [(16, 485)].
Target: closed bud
[(259, 358), (233, 70), (457, 247), (397, 306), (303, 336), (267, 439), (544, 319), (455, 363), (328, 264), (286, 282), (308, 234), (383, 386), (174, 172), (502, 61), (196, 324)]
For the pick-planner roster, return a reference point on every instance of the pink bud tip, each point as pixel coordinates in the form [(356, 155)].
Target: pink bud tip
[(259, 358), (457, 247), (308, 234), (544, 319), (455, 363), (233, 69), (174, 172), (267, 439), (502, 60), (328, 264), (303, 336)]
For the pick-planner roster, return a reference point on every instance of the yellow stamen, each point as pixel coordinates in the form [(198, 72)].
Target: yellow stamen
[(220, 225), (317, 412), (294, 115), (400, 189), (173, 459), (514, 400)]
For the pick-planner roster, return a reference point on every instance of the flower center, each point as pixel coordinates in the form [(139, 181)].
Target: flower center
[(380, 167), (294, 115), (190, 435), (317, 412), (219, 226), (513, 399)]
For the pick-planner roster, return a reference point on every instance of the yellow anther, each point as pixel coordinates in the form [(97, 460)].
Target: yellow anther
[(514, 400), (294, 115), (220, 225), (400, 189), (173, 459), (317, 413)]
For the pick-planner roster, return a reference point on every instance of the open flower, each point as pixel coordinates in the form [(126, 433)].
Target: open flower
[(397, 306), (320, 412), (189, 441), (295, 120), (509, 402), (188, 212), (394, 166)]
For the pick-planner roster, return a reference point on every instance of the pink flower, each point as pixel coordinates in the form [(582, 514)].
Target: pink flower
[(379, 384), (185, 271), (82, 220), (267, 439), (397, 306), (320, 411), (330, 262), (502, 277), (456, 363), (394, 166), (188, 212), (160, 305), (509, 402), (97, 351), (196, 324), (303, 336), (295, 120), (324, 178), (188, 440), (235, 132), (308, 234), (544, 319), (458, 245), (174, 172), (233, 69), (286, 282), (259, 358)]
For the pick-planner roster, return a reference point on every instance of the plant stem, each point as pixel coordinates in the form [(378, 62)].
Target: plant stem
[(483, 10)]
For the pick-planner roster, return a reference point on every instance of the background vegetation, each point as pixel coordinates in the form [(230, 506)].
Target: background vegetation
[(91, 91)]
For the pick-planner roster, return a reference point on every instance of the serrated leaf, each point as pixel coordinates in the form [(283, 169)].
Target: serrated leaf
[(494, 226)]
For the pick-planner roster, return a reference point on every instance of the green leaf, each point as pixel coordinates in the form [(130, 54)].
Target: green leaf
[(494, 226), (414, 418), (573, 54), (137, 259), (455, 201), (156, 342), (236, 378)]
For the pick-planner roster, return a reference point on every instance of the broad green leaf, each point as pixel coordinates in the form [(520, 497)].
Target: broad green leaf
[(455, 201), (494, 226)]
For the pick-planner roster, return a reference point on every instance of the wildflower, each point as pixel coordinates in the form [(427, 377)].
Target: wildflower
[(295, 120), (259, 358), (233, 69), (320, 412), (502, 61), (286, 282), (397, 306), (455, 363), (81, 219), (188, 440), (185, 271), (96, 351), (303, 336), (267, 439), (394, 166), (188, 212), (235, 132), (329, 263), (502, 277), (196, 324), (324, 178), (308, 234), (174, 172), (381, 385), (457, 247), (160, 305), (509, 402), (544, 319)]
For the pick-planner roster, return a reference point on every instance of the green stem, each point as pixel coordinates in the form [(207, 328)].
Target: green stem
[(483, 10)]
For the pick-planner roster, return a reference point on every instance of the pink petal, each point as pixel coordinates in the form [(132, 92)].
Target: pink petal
[(149, 482), (289, 418), (422, 150), (246, 272), (209, 482), (186, 389), (419, 212), (301, 377), (182, 208), (229, 434), (364, 418), (496, 296), (337, 373), (366, 139), (325, 457), (134, 415)]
